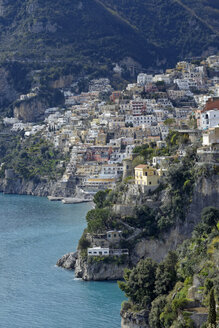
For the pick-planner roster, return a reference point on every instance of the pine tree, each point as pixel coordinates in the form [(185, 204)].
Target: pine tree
[(212, 310)]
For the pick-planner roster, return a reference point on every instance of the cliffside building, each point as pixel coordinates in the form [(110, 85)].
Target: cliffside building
[(209, 119), (209, 152), (146, 176), (114, 236), (211, 137), (99, 251)]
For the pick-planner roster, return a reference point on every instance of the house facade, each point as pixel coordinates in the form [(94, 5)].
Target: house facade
[(146, 176)]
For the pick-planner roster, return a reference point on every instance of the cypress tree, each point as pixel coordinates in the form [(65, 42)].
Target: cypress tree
[(212, 310)]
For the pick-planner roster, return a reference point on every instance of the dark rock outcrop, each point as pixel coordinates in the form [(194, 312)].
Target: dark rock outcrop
[(91, 270), (7, 93), (13, 184), (68, 261), (134, 319), (206, 193), (31, 110)]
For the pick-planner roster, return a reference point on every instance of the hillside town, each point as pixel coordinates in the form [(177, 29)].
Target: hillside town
[(101, 128)]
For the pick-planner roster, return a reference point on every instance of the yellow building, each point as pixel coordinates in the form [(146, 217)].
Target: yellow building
[(146, 176), (101, 139)]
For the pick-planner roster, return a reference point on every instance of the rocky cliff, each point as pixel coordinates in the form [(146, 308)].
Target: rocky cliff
[(7, 93), (98, 270), (13, 184), (206, 193), (68, 261), (62, 82), (134, 320), (31, 110)]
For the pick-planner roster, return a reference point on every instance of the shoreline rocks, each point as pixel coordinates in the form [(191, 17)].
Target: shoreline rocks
[(68, 261)]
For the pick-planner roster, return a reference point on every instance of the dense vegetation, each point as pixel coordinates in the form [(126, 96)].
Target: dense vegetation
[(174, 141), (167, 289), (32, 159)]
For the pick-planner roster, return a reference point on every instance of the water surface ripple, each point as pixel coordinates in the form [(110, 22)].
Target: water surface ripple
[(34, 293)]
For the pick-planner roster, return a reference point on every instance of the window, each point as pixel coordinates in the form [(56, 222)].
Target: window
[(150, 182)]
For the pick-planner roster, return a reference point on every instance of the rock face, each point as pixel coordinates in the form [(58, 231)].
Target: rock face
[(134, 320), (7, 92), (39, 27), (199, 319), (63, 82), (98, 270), (157, 249), (206, 193), (68, 261), (12, 184), (2, 7), (31, 110)]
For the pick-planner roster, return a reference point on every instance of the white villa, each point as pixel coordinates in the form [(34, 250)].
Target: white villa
[(99, 251)]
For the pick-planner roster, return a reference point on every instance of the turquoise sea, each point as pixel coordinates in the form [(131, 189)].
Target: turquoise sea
[(34, 293)]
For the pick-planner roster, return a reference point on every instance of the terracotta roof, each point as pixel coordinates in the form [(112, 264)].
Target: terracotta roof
[(211, 104), (141, 166)]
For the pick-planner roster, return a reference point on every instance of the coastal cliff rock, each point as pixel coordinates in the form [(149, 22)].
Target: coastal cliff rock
[(92, 270), (206, 193), (68, 261), (12, 184), (157, 249), (134, 320)]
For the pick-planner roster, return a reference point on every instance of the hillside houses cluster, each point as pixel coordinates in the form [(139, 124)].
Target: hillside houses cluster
[(100, 135)]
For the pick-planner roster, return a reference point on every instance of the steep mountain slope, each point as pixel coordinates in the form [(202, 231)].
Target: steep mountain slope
[(68, 30), (100, 31), (178, 28)]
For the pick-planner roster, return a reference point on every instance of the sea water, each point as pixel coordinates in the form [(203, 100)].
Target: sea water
[(34, 293)]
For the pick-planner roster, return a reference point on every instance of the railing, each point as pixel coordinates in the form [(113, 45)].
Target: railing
[(207, 151), (118, 252)]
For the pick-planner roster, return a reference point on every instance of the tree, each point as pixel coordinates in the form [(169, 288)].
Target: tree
[(212, 310), (170, 121), (100, 197), (157, 308), (210, 216), (97, 220), (83, 242), (166, 275), (139, 283)]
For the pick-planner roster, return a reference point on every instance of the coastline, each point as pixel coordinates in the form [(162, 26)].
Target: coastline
[(34, 233)]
